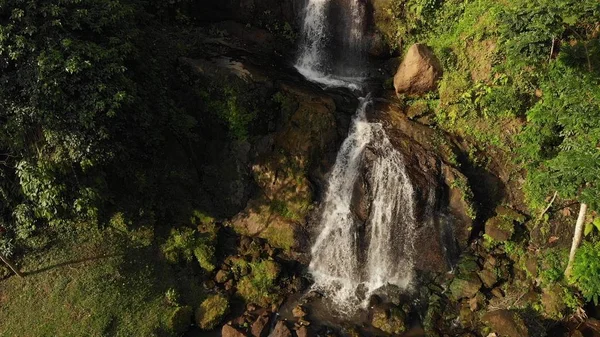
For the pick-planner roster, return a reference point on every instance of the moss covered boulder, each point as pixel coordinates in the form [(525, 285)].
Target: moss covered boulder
[(502, 226), (465, 286), (210, 313), (505, 323), (390, 320)]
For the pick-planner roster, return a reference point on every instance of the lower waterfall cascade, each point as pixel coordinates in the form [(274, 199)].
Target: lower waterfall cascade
[(345, 266)]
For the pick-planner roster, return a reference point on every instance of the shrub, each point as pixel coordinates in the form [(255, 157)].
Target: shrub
[(586, 271), (211, 311), (185, 244)]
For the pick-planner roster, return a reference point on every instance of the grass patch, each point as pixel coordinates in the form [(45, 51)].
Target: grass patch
[(91, 283)]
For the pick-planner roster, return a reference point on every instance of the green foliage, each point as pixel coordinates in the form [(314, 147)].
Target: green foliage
[(586, 271), (211, 311), (185, 244), (553, 264), (259, 286), (560, 141), (234, 108), (460, 182)]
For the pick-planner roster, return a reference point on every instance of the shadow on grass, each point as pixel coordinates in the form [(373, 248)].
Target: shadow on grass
[(68, 263)]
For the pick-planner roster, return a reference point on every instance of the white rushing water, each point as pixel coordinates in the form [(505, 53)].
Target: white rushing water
[(314, 61), (345, 266), (353, 259)]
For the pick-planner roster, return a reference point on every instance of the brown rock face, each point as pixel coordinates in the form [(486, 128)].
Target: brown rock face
[(419, 71), (229, 331), (302, 332), (506, 323), (443, 211), (260, 327), (281, 330)]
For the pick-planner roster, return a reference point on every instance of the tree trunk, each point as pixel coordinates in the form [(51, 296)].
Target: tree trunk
[(11, 265), (576, 238)]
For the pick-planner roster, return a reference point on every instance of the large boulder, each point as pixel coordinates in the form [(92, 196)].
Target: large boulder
[(506, 323), (390, 320), (465, 286), (211, 311), (419, 71)]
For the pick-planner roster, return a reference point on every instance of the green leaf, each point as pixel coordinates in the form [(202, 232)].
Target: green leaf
[(588, 229), (596, 223)]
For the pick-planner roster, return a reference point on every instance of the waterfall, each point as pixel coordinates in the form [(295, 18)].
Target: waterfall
[(352, 258), (343, 268), (341, 64)]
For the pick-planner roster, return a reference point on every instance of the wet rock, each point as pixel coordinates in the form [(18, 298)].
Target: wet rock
[(260, 327), (281, 330), (488, 277), (506, 323), (390, 321), (378, 46), (222, 276), (499, 229), (419, 71), (302, 332), (298, 312), (502, 226), (477, 302), (229, 285), (303, 322), (285, 175), (360, 203), (229, 331), (465, 286)]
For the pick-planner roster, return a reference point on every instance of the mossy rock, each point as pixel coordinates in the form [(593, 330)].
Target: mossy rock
[(465, 286), (552, 302), (260, 285), (505, 323), (390, 321), (180, 319), (499, 228), (211, 312)]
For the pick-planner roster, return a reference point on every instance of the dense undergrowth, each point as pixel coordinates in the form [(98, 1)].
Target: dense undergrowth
[(521, 85)]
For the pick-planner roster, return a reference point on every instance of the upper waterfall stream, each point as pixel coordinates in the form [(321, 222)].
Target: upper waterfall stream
[(334, 60)]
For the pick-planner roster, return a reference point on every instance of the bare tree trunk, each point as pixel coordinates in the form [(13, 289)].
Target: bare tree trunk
[(576, 238), (11, 265)]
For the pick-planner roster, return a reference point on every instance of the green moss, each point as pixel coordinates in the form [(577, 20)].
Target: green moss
[(460, 182), (211, 311), (389, 321), (260, 285), (279, 238)]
